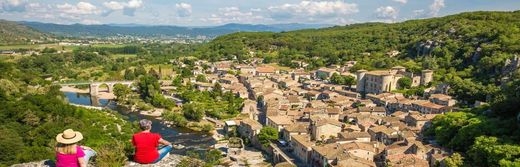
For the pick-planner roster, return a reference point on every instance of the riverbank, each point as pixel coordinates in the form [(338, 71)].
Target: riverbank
[(73, 89), (100, 95)]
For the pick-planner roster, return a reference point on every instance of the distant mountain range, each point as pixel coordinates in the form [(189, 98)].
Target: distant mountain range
[(81, 30), (14, 33)]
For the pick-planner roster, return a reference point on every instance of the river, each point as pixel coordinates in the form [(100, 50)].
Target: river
[(192, 140)]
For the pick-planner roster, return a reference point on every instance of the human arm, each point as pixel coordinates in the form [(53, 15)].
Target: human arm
[(164, 142), (82, 162), (85, 148)]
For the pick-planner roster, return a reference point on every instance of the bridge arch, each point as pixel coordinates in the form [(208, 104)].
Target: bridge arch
[(95, 87)]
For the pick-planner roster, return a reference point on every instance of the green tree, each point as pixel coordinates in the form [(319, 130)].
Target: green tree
[(201, 78), (121, 91), (404, 83), (154, 73), (10, 144), (266, 135), (213, 157), (349, 80), (337, 79), (176, 118), (129, 74), (191, 112), (148, 86), (139, 71), (455, 160)]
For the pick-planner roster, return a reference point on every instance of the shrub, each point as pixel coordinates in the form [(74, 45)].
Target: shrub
[(111, 154)]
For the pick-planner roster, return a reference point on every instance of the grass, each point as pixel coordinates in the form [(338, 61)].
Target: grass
[(13, 47), (167, 69)]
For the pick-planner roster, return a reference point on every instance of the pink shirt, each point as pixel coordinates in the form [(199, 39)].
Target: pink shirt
[(69, 160)]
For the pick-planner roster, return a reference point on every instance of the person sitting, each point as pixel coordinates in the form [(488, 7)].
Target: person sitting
[(146, 144), (69, 153)]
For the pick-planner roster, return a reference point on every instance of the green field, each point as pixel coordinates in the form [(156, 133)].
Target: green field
[(12, 47), (37, 46)]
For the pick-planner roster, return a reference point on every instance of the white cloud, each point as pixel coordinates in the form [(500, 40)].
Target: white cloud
[(233, 14), (113, 5), (81, 8), (135, 4), (128, 8), (312, 9), (183, 9), (401, 1), (13, 6), (436, 6), (387, 12)]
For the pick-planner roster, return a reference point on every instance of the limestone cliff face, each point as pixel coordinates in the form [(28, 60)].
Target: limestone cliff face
[(170, 161)]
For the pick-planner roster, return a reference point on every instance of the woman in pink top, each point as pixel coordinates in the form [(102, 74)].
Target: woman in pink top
[(68, 153)]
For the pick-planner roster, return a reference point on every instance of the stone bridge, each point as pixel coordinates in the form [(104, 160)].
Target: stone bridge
[(94, 86), (279, 156)]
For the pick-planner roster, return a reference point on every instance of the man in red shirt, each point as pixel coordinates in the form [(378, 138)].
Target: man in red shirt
[(147, 143)]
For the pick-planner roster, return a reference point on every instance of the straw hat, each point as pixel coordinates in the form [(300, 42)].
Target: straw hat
[(69, 136)]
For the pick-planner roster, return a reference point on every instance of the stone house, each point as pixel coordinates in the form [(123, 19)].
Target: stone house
[(322, 129), (302, 147), (427, 107), (379, 111), (279, 122), (442, 99), (383, 134), (298, 128), (350, 137), (265, 71), (249, 129)]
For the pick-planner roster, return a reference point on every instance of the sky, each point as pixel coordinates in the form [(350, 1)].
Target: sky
[(218, 12)]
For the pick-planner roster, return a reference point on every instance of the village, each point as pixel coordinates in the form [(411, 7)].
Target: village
[(325, 124)]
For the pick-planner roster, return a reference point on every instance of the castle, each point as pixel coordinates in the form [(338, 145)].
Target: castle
[(380, 81)]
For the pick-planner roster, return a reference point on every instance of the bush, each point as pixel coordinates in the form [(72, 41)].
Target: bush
[(267, 134), (111, 154), (207, 127), (176, 118)]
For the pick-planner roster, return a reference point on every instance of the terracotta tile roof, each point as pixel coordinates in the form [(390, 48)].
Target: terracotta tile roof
[(255, 125), (280, 120), (303, 139), (383, 129), (354, 161), (321, 122), (301, 127), (406, 160), (354, 135), (265, 69), (331, 110), (293, 99)]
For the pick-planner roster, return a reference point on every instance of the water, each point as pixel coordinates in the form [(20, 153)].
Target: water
[(192, 140)]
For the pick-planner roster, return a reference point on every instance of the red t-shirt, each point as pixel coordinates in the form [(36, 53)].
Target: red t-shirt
[(146, 144)]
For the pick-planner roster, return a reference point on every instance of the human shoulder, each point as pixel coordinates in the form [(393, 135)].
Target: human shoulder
[(79, 151)]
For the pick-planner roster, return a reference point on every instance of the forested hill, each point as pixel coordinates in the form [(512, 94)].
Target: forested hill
[(459, 47), (14, 33), (80, 30)]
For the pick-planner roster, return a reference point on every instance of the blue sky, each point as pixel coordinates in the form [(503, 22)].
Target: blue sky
[(218, 12)]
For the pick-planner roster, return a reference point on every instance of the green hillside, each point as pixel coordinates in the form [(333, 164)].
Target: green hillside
[(472, 52), (454, 46), (14, 33)]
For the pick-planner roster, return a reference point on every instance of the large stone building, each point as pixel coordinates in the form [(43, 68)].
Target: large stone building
[(386, 80)]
